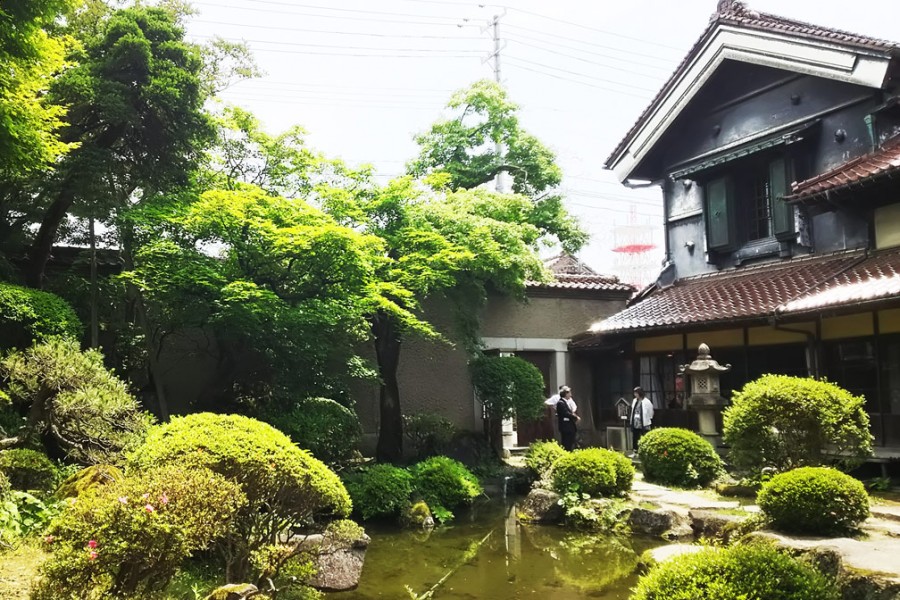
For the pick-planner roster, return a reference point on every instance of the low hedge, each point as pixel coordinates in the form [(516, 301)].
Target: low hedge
[(675, 456), (29, 470), (445, 484), (328, 429), (751, 572), (594, 471), (816, 500), (543, 455), (379, 491)]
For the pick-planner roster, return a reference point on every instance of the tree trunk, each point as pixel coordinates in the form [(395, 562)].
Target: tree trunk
[(46, 235), (387, 352)]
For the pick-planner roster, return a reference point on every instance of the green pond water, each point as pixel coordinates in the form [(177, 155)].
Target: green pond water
[(487, 554)]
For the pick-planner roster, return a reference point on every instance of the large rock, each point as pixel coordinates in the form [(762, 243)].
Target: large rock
[(661, 522), (338, 563), (541, 506), (234, 591), (715, 525), (663, 553), (417, 516)]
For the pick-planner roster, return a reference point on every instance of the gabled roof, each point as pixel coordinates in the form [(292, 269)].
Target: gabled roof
[(826, 52), (570, 273), (867, 168), (784, 289)]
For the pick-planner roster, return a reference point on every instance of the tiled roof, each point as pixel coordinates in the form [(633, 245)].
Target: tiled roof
[(883, 161), (606, 283), (738, 14), (736, 294)]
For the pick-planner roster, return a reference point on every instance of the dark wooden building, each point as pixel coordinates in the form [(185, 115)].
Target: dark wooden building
[(776, 146)]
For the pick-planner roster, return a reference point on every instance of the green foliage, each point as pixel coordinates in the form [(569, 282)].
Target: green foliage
[(284, 485), (592, 471), (87, 479), (127, 539), (28, 315), (541, 456), (23, 515), (786, 422), (73, 399), (675, 456), (29, 470), (379, 491), (444, 484), (754, 571), (816, 500), (429, 434), (507, 386), (330, 431)]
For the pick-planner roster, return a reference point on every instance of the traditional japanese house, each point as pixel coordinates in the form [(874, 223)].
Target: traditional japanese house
[(776, 146)]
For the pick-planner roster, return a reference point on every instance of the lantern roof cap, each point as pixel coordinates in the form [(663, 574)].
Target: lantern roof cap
[(704, 363)]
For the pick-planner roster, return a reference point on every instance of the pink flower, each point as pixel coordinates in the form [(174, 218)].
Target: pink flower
[(145, 496), (123, 499), (92, 555), (49, 539), (149, 508), (164, 499), (92, 544)]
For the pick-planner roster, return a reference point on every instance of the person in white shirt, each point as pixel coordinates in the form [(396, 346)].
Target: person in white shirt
[(552, 400), (640, 416)]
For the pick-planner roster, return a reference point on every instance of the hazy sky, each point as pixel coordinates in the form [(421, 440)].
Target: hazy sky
[(364, 77)]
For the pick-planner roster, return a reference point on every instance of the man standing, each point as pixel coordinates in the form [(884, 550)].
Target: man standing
[(565, 414), (640, 417)]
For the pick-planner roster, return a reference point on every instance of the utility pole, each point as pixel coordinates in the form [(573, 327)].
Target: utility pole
[(494, 25)]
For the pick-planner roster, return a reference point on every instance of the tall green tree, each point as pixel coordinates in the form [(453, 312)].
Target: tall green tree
[(136, 113), (447, 237)]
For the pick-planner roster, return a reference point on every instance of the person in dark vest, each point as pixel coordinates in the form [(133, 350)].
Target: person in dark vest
[(567, 418), (640, 416)]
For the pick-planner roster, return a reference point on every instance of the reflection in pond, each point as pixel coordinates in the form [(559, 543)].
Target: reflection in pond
[(487, 554)]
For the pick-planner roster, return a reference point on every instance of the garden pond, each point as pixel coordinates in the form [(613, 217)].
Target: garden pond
[(486, 553)]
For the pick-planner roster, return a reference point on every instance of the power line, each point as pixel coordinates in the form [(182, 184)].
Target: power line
[(585, 75), (570, 80), (304, 102), (345, 47), (338, 9), (360, 55), (337, 32), (342, 17), (627, 61), (582, 26), (555, 37), (585, 60)]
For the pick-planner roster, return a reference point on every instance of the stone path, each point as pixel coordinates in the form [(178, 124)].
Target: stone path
[(876, 551)]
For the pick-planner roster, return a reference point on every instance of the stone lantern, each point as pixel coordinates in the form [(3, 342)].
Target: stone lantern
[(705, 397)]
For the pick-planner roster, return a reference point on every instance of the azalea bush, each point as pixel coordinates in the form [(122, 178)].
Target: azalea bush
[(445, 484), (29, 470), (786, 422), (379, 491), (593, 471), (816, 500), (28, 315), (754, 571), (675, 456), (284, 485), (329, 430), (126, 540), (541, 456)]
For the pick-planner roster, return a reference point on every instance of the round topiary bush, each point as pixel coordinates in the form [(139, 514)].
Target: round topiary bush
[(28, 315), (787, 422), (674, 456), (594, 471), (379, 491), (816, 500), (127, 539), (755, 571), (543, 455), (29, 470), (444, 484), (329, 430), (284, 485)]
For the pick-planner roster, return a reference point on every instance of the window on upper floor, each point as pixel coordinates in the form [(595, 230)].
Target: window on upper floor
[(744, 205)]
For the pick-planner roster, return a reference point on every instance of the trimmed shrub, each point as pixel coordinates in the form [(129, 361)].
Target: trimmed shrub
[(126, 540), (445, 484), (284, 484), (428, 434), (87, 479), (29, 470), (675, 456), (28, 315), (379, 491), (543, 455), (787, 422), (593, 471), (507, 386), (756, 571), (329, 430), (83, 408), (816, 500)]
